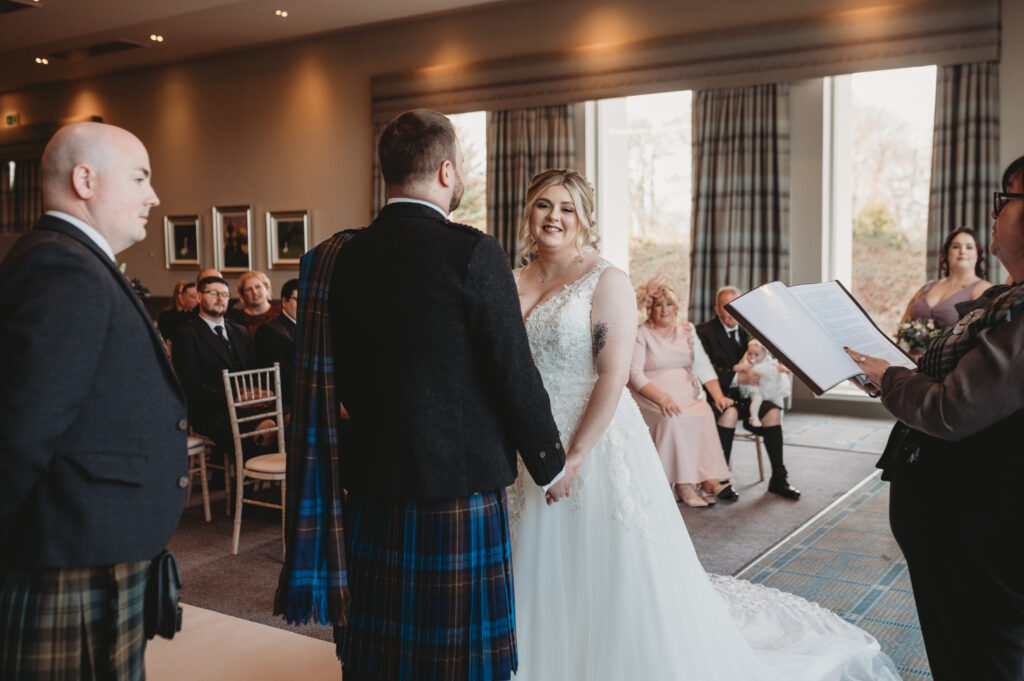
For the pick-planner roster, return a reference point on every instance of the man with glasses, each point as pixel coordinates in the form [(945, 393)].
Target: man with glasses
[(205, 346)]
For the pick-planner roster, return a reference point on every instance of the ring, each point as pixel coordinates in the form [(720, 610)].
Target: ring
[(862, 358)]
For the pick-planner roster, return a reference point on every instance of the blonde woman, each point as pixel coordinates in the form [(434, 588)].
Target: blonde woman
[(607, 583), (254, 293), (668, 375)]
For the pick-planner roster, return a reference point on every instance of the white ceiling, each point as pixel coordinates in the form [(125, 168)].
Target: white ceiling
[(190, 28)]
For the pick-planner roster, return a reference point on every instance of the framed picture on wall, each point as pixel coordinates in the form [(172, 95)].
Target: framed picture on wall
[(232, 238), (287, 238), (181, 241)]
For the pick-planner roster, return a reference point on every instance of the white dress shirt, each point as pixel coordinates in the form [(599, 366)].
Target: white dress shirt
[(89, 230)]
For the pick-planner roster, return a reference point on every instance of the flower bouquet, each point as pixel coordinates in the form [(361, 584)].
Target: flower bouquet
[(915, 335), (140, 289)]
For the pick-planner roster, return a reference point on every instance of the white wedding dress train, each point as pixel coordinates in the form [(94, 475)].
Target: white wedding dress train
[(607, 583)]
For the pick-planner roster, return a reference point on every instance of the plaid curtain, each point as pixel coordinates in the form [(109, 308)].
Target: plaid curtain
[(379, 196), (520, 144), (740, 219), (21, 196), (965, 155)]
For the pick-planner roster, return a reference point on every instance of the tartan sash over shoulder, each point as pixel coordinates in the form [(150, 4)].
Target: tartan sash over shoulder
[(313, 581)]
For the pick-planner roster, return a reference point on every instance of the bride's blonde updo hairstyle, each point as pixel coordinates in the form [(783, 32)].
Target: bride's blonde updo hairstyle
[(582, 193)]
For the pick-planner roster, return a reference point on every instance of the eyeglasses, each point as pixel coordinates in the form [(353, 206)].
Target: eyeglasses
[(1000, 199), (220, 294)]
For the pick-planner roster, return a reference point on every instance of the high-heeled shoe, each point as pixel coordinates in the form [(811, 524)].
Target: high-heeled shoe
[(689, 496), (725, 492)]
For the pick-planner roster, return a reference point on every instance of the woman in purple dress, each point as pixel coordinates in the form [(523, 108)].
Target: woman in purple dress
[(963, 279)]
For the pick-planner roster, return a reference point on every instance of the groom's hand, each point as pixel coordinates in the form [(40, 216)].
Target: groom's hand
[(563, 488)]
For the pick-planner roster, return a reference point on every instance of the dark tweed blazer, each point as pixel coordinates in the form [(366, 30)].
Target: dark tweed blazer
[(722, 352), (275, 342), (93, 459), (432, 362)]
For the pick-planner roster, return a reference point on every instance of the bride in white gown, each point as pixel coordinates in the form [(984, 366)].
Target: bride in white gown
[(607, 584)]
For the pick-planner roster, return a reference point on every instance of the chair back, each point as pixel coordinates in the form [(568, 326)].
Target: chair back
[(254, 395)]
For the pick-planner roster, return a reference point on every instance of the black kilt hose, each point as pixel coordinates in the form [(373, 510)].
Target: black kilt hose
[(69, 624), (431, 585)]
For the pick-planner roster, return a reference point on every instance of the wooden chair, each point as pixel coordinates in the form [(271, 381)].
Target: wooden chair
[(224, 466), (253, 396), (198, 448), (756, 439)]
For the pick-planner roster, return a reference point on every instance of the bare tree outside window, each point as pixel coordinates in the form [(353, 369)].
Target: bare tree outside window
[(659, 188), (892, 114), (472, 131)]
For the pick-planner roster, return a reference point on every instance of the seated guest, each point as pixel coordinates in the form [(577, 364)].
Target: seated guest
[(774, 382), (725, 342), (256, 308), (669, 365), (963, 280), (204, 347), (275, 340), (184, 300)]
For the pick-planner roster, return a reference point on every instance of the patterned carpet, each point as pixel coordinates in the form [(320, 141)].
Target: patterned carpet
[(837, 432), (847, 560)]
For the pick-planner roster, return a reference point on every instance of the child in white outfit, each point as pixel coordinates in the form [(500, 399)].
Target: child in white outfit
[(775, 382)]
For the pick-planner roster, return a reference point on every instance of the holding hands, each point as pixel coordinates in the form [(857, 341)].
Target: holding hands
[(563, 488)]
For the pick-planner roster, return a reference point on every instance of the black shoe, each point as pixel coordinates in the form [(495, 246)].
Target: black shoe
[(784, 489), (727, 493)]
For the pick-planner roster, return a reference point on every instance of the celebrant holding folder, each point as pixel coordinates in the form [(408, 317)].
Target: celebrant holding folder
[(963, 410)]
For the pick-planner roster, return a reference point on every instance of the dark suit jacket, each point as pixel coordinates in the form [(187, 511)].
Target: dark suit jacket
[(199, 357), (92, 420), (169, 321), (275, 342), (722, 352), (432, 362)]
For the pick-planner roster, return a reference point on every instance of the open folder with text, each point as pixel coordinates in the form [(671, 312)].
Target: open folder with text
[(806, 327)]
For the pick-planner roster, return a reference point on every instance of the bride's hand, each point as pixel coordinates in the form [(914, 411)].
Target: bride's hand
[(563, 487)]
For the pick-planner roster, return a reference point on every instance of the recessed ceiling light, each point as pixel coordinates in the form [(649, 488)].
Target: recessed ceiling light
[(281, 13), (156, 38), (42, 60)]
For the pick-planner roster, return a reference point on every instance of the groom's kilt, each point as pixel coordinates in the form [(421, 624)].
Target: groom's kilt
[(431, 588)]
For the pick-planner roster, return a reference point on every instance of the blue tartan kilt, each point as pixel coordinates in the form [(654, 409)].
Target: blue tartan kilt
[(431, 588)]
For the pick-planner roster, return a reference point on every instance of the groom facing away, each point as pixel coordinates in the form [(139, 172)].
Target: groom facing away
[(432, 365)]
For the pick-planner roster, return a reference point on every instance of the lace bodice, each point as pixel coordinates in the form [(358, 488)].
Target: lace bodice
[(559, 332), (559, 329)]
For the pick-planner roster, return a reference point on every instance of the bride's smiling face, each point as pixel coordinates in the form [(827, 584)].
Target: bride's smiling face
[(553, 220)]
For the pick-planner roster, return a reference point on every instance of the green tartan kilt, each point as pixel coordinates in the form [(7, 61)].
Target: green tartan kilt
[(67, 624)]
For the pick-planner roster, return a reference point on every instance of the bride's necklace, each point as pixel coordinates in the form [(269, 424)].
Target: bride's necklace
[(567, 270)]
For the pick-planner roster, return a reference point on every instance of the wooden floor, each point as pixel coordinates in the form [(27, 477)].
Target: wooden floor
[(215, 646)]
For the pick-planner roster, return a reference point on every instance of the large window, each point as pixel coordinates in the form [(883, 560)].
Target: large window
[(472, 131), (642, 173), (882, 142)]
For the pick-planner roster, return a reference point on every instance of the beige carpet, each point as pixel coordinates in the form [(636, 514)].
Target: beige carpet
[(215, 647)]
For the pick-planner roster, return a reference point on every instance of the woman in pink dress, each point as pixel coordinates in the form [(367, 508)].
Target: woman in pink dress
[(668, 368)]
